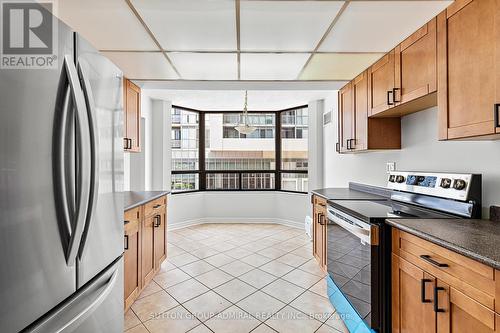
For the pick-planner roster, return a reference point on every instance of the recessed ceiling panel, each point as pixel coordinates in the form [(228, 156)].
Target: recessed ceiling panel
[(143, 65), (206, 66), (378, 26), (281, 66), (188, 25), (285, 25), (345, 66), (108, 25)]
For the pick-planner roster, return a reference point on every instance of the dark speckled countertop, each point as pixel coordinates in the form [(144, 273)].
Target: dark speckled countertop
[(132, 199), (355, 191), (476, 239)]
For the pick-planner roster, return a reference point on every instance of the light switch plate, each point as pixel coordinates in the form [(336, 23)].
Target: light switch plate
[(391, 166)]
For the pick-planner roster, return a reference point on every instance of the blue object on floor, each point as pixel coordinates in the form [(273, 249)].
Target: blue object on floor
[(347, 313)]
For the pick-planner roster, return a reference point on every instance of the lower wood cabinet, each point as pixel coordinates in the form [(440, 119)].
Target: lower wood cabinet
[(132, 256), (319, 230), (145, 246), (148, 260), (435, 290), (159, 239)]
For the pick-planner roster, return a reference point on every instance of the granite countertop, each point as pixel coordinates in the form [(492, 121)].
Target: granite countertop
[(345, 194), (132, 199), (476, 239)]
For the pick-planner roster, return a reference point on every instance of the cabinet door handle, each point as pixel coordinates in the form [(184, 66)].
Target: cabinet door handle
[(428, 258), (351, 143), (126, 242), (389, 93), (394, 90), (130, 145), (158, 221), (423, 282), (497, 115), (125, 143), (337, 147), (321, 219), (436, 300)]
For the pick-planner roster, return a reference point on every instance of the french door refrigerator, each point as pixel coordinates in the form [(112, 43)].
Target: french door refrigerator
[(61, 202)]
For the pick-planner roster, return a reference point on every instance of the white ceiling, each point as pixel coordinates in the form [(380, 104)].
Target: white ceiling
[(216, 100), (244, 40)]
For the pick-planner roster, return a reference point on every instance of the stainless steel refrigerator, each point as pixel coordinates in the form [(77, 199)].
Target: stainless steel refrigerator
[(61, 203)]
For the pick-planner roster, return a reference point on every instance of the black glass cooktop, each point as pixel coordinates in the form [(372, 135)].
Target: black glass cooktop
[(367, 210)]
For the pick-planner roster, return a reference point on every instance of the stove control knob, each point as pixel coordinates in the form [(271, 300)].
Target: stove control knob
[(445, 183), (459, 184), (400, 179), (392, 178)]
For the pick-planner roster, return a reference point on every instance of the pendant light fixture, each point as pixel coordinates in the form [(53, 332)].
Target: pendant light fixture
[(245, 128)]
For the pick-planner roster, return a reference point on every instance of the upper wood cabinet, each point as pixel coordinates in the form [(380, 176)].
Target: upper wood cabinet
[(346, 118), (469, 69), (381, 84), (357, 132), (132, 117), (405, 79), (416, 69)]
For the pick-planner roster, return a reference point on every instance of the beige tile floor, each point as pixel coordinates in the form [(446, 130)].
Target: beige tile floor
[(236, 278)]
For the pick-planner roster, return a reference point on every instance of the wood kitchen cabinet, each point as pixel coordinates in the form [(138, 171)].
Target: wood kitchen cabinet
[(405, 79), (469, 70), (132, 116), (145, 246), (132, 256), (319, 230), (160, 244), (357, 132), (148, 260), (437, 290), (381, 84)]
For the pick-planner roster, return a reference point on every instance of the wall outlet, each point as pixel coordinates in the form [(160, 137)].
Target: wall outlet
[(391, 166)]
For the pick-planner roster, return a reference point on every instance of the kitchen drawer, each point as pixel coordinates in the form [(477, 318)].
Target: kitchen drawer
[(133, 214), (471, 277), (155, 206), (319, 201)]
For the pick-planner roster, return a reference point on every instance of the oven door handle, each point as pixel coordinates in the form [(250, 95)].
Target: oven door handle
[(361, 233)]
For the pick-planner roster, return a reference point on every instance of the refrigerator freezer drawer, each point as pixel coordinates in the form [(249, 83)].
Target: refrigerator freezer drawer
[(97, 307)]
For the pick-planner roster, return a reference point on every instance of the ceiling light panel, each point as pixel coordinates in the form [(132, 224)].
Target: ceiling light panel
[(192, 25), (285, 25), (108, 25), (278, 66), (378, 26), (206, 66), (345, 66), (143, 65)]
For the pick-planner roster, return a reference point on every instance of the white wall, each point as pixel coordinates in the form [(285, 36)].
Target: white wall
[(245, 207), (421, 151)]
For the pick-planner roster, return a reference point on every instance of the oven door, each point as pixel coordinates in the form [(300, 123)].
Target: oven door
[(353, 255)]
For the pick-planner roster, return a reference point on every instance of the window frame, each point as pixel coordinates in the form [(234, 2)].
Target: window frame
[(202, 172)]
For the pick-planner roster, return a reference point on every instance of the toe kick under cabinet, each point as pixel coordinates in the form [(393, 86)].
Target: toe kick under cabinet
[(145, 246), (435, 290)]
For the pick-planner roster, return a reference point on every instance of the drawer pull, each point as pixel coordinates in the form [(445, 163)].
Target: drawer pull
[(156, 206), (423, 282), (436, 300), (126, 242), (428, 258)]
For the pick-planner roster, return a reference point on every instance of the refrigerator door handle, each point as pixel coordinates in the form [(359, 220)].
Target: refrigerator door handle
[(94, 149), (83, 159), (80, 306)]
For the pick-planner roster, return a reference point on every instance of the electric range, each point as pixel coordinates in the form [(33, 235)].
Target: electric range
[(359, 241)]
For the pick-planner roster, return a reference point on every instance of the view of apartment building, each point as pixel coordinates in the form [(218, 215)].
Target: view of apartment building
[(235, 161)]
